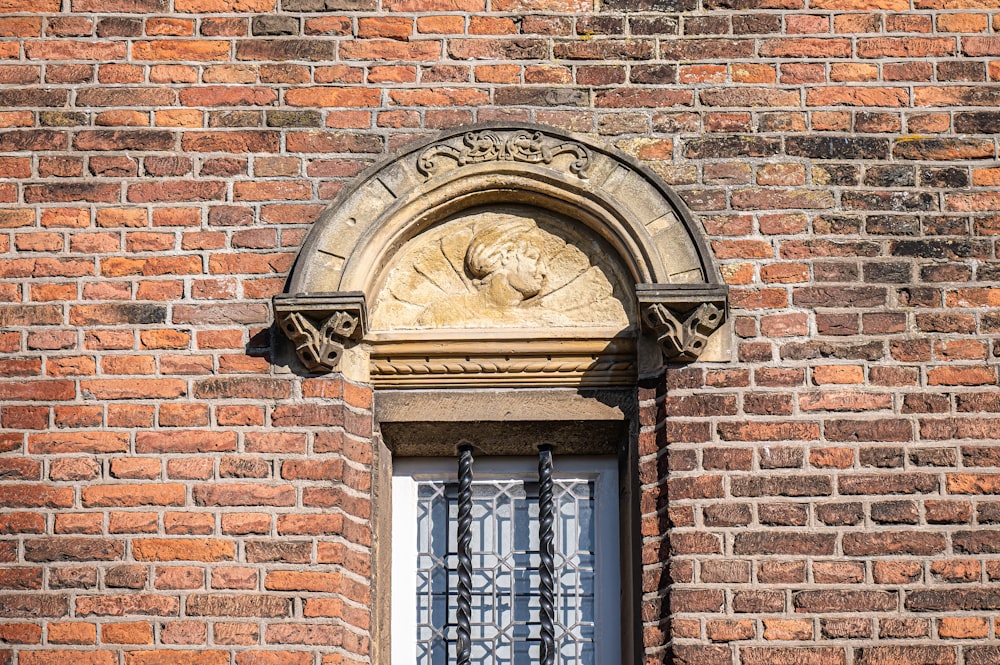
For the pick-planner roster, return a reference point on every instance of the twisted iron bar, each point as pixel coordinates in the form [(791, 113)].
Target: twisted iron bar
[(463, 647), (546, 545)]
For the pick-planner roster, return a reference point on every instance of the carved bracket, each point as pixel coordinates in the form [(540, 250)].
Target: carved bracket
[(682, 316), (531, 147), (321, 325)]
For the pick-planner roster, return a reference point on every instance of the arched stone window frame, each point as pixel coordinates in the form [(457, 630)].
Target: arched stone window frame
[(437, 388)]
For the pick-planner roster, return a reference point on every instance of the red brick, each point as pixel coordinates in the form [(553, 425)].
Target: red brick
[(185, 441), (133, 632), (176, 657), (962, 376), (184, 632), (729, 631), (230, 605), (242, 524), (969, 483), (237, 633), (893, 543), (78, 442), (197, 50), (66, 548), (906, 655), (793, 655), (135, 467), (244, 494), (905, 47), (133, 495), (98, 657), (182, 549), (16, 522)]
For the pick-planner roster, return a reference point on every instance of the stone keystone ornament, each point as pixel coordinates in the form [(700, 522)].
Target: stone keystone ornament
[(504, 255)]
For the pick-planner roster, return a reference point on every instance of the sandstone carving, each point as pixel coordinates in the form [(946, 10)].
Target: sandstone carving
[(682, 336), (503, 358), (515, 267), (320, 327), (504, 254), (532, 147), (519, 366)]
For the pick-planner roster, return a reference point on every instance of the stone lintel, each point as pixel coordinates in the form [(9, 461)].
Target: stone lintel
[(504, 422), (501, 405)]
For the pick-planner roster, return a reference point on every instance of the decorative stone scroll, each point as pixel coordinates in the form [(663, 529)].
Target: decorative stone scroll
[(530, 147), (681, 319), (320, 326)]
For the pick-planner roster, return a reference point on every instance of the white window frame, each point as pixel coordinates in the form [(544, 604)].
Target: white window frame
[(407, 472)]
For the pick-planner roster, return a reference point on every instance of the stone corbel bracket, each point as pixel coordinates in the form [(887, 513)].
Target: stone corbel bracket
[(682, 316), (321, 325)]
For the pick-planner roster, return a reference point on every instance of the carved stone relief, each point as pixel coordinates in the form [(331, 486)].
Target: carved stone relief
[(682, 318), (530, 147), (512, 267), (321, 326), (504, 254), (682, 337)]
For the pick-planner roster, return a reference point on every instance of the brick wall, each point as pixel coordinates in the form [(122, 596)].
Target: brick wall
[(206, 516), (828, 498)]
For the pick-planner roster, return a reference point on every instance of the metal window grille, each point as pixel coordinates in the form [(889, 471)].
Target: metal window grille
[(506, 569)]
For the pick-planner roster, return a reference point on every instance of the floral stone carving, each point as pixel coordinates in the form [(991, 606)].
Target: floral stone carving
[(532, 147)]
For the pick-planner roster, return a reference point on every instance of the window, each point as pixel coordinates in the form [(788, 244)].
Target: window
[(506, 617)]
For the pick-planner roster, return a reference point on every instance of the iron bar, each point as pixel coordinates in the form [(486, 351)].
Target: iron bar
[(546, 546), (463, 646)]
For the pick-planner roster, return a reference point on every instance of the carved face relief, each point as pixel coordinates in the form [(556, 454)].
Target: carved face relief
[(514, 267), (526, 270), (505, 260)]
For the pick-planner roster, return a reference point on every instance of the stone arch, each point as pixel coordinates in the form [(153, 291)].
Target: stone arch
[(676, 296)]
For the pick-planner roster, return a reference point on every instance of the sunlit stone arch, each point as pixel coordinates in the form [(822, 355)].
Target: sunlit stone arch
[(598, 200)]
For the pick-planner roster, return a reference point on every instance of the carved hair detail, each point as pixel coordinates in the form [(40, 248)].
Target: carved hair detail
[(489, 244)]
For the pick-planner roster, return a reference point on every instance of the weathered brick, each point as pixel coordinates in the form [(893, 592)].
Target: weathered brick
[(134, 495), (73, 549), (185, 441), (793, 655), (844, 601), (891, 542), (235, 605), (932, 655), (766, 542)]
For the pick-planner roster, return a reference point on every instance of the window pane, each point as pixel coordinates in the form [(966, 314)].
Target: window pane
[(505, 603)]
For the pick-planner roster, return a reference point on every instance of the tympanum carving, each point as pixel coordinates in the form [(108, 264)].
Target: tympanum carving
[(505, 268), (532, 147), (504, 254)]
